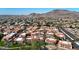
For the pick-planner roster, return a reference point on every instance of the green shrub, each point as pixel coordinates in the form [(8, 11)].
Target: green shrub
[(2, 43)]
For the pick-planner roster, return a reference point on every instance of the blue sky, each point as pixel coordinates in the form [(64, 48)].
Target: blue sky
[(25, 11)]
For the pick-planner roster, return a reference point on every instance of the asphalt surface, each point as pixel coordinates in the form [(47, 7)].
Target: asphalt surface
[(70, 37)]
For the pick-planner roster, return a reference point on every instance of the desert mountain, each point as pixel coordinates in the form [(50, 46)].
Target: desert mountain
[(58, 14)]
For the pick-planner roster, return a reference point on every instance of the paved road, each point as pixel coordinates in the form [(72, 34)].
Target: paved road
[(70, 37)]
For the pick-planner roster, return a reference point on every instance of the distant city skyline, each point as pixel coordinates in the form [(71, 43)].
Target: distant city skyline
[(26, 11)]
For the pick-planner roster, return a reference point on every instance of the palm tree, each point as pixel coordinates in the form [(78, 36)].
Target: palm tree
[(1, 36), (44, 37)]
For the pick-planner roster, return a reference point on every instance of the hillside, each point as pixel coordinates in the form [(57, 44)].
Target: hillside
[(58, 14)]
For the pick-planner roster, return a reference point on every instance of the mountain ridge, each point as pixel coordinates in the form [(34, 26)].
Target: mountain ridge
[(58, 13)]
